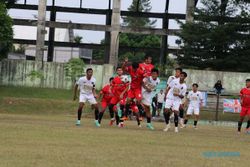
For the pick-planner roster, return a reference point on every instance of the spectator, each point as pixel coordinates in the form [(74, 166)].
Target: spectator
[(160, 100), (218, 87)]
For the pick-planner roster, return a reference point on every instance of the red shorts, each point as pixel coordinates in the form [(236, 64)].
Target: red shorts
[(105, 103), (135, 93), (116, 100), (245, 111)]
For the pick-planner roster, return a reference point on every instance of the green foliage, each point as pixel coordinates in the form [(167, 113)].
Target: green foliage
[(35, 75), (74, 68), (220, 45), (6, 32), (77, 39), (136, 40)]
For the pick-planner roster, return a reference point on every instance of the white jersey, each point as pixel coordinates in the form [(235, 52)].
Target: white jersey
[(195, 98), (86, 86), (170, 79), (150, 83), (178, 88), (160, 97)]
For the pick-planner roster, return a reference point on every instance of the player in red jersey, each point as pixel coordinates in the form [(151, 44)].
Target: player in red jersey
[(245, 105), (135, 88), (147, 65), (106, 96), (119, 87)]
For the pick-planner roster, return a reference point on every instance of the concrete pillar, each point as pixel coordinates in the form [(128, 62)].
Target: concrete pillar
[(41, 30), (115, 28), (190, 10)]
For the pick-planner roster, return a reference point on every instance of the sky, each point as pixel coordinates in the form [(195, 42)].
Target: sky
[(22, 32)]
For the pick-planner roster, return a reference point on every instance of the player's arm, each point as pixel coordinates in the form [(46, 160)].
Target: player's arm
[(144, 85), (125, 90)]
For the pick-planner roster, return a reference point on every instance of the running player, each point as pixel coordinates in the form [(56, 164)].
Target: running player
[(119, 89), (175, 92), (149, 85), (195, 102), (135, 88), (106, 96), (87, 94), (245, 106)]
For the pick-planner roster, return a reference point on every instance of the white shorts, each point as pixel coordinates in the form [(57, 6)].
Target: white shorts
[(173, 104), (193, 109), (146, 98), (87, 98)]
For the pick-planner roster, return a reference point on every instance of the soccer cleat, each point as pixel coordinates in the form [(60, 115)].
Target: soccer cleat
[(195, 127), (150, 126), (139, 126), (97, 124), (78, 123), (176, 130), (167, 128), (111, 121), (248, 131)]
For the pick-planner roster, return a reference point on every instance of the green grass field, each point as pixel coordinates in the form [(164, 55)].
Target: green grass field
[(37, 129)]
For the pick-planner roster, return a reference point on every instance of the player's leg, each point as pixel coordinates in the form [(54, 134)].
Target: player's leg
[(104, 105), (79, 113), (127, 107), (176, 107), (148, 115), (112, 106), (159, 108), (138, 96), (135, 111), (196, 116), (190, 111), (94, 106), (243, 113), (167, 112), (181, 115)]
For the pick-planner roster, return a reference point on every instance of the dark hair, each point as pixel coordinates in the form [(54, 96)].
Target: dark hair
[(195, 84), (111, 78), (184, 73), (89, 69), (135, 65), (147, 56), (248, 80), (155, 70), (119, 67), (178, 69)]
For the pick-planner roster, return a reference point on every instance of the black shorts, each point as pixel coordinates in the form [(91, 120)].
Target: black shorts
[(159, 105)]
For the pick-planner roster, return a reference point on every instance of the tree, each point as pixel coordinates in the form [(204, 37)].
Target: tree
[(219, 37), (136, 40), (77, 39), (6, 32)]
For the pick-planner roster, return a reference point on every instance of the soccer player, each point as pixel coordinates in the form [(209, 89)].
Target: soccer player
[(87, 94), (245, 106), (160, 100), (135, 87), (147, 65), (106, 96), (195, 102), (149, 84), (176, 76), (175, 92), (119, 89)]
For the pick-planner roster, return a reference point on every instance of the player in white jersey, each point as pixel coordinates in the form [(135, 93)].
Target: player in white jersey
[(86, 85), (176, 76), (149, 85), (195, 102), (175, 93)]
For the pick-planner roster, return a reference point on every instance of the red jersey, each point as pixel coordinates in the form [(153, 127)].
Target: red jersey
[(136, 77), (107, 94), (146, 68), (118, 86), (245, 97)]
